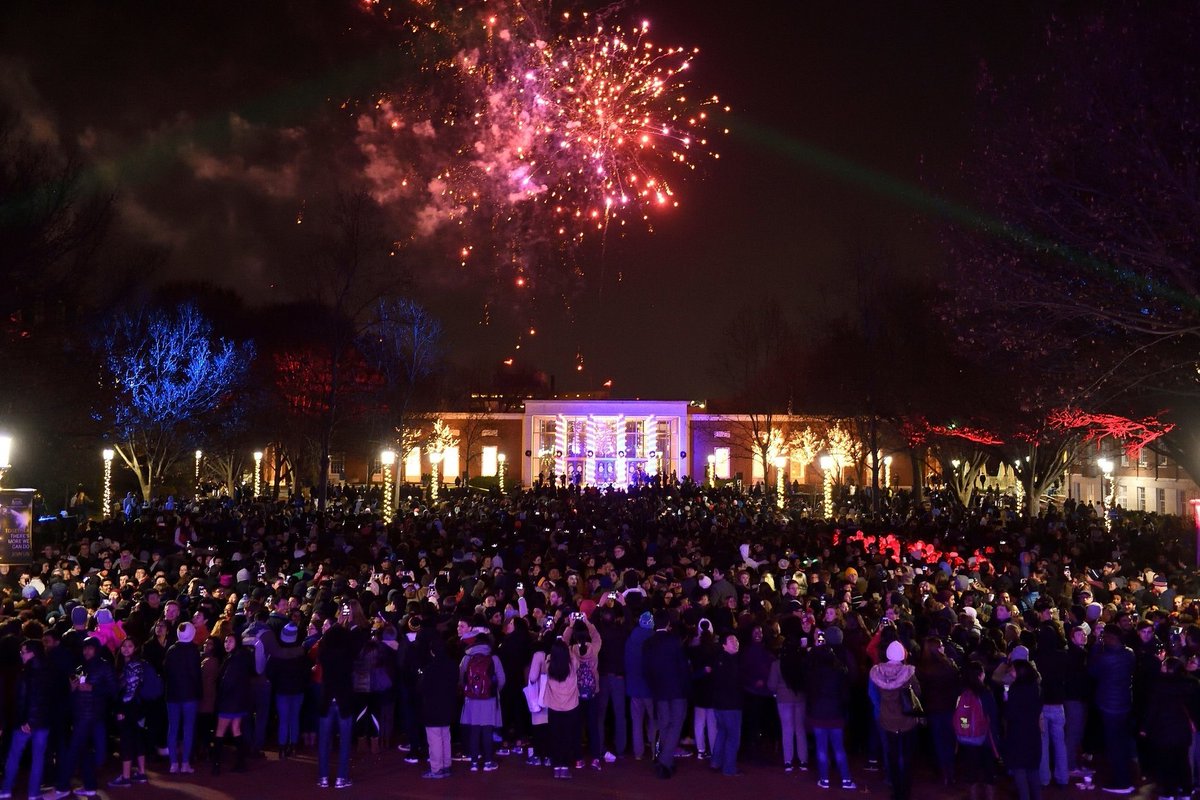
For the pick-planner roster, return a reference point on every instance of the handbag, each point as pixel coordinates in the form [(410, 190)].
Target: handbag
[(910, 703), (535, 694)]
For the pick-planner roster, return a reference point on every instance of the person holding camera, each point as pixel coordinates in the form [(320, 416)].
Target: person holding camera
[(897, 687)]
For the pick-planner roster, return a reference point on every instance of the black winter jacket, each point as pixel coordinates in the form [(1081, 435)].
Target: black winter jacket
[(1171, 710), (181, 673), (666, 665), (725, 682), (827, 688), (37, 700)]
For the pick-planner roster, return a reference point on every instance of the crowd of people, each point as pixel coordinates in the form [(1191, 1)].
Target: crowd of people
[(574, 629)]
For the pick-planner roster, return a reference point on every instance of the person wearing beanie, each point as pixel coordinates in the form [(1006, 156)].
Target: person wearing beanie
[(637, 688), (181, 690), (288, 678), (889, 680), (110, 632)]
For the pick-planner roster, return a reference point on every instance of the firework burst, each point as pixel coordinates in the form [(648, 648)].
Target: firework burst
[(537, 131)]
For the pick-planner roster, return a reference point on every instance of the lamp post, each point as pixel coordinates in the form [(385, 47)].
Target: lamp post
[(711, 474), (6, 443), (257, 474), (502, 467), (387, 458), (435, 459), (826, 463), (780, 461), (887, 471), (107, 455), (199, 455)]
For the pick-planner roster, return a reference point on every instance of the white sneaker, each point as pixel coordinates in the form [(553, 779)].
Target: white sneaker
[(186, 768), (173, 769), (609, 757)]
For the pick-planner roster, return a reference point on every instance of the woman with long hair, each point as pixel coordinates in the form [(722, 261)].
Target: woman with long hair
[(234, 700), (584, 641), (131, 717), (211, 655), (562, 706), (539, 745), (1023, 732), (977, 750), (787, 682), (939, 694)]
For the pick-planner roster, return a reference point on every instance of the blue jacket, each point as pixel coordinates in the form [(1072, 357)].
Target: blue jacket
[(635, 671), (1112, 668)]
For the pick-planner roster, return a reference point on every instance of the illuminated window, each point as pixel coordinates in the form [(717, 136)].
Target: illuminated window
[(412, 465), (722, 462), (488, 463), (1161, 501), (450, 466), (337, 464), (1124, 459), (756, 469), (1123, 496), (1143, 458), (547, 431), (1141, 498)]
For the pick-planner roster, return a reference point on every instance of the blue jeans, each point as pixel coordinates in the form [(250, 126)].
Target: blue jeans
[(1118, 744), (941, 730), (898, 749), (729, 738), (177, 712), (612, 690), (1054, 734), (288, 707), (85, 747), (325, 741), (827, 737), (39, 737)]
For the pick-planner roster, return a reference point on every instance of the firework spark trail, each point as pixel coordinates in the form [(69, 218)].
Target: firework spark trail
[(538, 129)]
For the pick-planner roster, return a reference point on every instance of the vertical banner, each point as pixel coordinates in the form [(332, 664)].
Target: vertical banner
[(16, 526)]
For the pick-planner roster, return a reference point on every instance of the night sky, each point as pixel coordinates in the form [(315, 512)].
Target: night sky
[(217, 123)]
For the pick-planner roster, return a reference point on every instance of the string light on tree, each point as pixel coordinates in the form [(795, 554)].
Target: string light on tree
[(199, 455), (258, 456), (386, 459), (827, 464), (107, 455), (780, 462), (502, 464), (435, 460)]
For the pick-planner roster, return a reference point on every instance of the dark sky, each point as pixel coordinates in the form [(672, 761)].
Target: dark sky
[(217, 123)]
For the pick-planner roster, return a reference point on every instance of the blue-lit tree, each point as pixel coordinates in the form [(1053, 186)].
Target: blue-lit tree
[(168, 371)]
